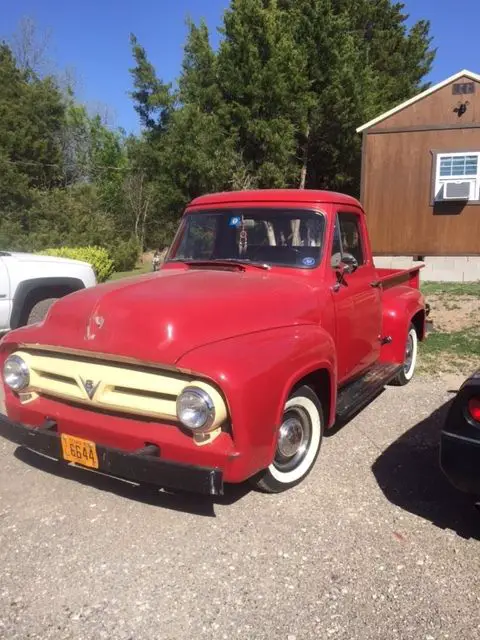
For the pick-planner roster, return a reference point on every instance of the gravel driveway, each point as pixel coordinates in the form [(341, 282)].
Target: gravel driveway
[(375, 544)]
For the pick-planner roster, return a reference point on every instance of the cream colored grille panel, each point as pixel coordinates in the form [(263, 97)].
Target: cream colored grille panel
[(119, 388)]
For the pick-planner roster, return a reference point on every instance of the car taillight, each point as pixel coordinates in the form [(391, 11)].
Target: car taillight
[(474, 408)]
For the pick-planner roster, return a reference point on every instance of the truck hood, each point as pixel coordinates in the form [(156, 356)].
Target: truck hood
[(160, 317)]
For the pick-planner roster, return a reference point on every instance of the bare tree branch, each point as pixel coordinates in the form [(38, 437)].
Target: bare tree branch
[(30, 47)]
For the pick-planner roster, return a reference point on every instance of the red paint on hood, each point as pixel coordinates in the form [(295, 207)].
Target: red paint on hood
[(160, 317)]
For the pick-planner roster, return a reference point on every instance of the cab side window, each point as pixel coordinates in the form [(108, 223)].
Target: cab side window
[(347, 238), (337, 245)]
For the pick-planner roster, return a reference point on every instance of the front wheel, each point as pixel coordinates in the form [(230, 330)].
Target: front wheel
[(298, 443), (410, 361)]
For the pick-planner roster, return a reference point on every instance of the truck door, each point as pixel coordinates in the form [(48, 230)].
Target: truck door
[(357, 301), (5, 301)]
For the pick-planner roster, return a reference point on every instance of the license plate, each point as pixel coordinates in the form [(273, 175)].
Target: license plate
[(79, 451)]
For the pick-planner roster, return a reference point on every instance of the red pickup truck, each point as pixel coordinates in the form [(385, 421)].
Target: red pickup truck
[(267, 324)]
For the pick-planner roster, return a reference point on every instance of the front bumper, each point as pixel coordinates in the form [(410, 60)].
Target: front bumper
[(140, 466)]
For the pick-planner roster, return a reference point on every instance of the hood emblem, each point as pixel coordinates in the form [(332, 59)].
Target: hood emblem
[(94, 323), (90, 387)]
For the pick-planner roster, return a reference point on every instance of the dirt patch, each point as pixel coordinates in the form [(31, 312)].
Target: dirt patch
[(454, 343), (454, 313), (146, 257)]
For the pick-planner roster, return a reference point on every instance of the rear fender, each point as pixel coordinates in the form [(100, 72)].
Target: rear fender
[(256, 373), (401, 306)]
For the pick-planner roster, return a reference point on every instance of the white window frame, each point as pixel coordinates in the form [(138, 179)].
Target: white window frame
[(440, 181)]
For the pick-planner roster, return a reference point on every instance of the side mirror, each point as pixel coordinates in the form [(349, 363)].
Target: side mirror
[(349, 263)]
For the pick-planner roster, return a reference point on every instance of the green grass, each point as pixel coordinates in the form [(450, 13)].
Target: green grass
[(457, 351), (451, 288), (462, 343), (452, 351), (118, 275)]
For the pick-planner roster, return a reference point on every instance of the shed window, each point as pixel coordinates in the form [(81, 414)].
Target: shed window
[(463, 88), (451, 166), (457, 176)]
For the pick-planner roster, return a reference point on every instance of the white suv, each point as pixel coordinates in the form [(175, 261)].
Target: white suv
[(30, 284)]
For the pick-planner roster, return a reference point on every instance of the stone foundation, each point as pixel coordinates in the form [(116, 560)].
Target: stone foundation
[(437, 268)]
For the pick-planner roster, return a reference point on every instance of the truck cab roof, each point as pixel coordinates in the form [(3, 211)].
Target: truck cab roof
[(265, 196)]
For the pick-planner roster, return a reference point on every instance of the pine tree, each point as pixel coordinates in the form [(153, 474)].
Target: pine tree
[(31, 118), (198, 83), (153, 99), (263, 82), (361, 61), (279, 104)]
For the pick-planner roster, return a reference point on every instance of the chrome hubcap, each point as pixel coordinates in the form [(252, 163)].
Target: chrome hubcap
[(408, 355), (290, 437), (293, 439)]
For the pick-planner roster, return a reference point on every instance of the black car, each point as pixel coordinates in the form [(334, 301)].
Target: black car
[(460, 438)]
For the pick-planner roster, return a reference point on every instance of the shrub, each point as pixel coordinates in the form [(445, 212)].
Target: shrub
[(125, 254), (98, 257)]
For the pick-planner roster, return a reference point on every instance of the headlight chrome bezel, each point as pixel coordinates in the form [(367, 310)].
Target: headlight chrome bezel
[(210, 411), (23, 370)]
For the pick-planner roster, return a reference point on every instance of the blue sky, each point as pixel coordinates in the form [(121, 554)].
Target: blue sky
[(92, 38)]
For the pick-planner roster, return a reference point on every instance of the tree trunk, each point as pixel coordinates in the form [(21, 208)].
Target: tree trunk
[(295, 224), (303, 172), (270, 234), (137, 220)]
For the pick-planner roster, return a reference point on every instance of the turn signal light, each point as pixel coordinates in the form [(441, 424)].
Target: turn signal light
[(474, 408)]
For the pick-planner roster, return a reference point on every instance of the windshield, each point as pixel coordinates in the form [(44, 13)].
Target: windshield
[(288, 237)]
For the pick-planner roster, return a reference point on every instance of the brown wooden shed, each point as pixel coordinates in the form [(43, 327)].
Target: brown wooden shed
[(421, 172)]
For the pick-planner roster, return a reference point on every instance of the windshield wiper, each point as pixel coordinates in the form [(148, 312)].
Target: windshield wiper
[(239, 261)]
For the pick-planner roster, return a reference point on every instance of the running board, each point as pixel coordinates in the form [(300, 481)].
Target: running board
[(355, 395)]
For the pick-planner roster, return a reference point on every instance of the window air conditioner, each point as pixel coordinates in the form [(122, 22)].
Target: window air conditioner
[(458, 190)]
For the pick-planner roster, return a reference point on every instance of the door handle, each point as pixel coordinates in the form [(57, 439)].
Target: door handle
[(376, 284)]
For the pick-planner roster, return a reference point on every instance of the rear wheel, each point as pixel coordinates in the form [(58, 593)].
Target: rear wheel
[(39, 310), (298, 443), (410, 359)]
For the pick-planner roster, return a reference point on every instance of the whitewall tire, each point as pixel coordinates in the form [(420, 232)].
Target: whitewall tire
[(410, 359), (298, 443)]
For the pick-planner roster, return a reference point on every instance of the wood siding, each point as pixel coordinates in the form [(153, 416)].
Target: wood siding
[(437, 109), (397, 196), (397, 168)]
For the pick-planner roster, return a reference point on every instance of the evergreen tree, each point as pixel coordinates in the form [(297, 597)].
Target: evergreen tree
[(263, 82), (31, 119), (153, 99), (361, 60), (198, 83)]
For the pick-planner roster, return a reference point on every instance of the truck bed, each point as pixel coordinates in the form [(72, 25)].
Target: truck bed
[(389, 278)]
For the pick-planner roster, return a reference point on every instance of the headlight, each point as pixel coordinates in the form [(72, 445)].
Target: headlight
[(16, 373), (195, 409)]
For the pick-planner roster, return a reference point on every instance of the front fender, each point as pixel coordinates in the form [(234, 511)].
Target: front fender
[(256, 373), (400, 306)]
